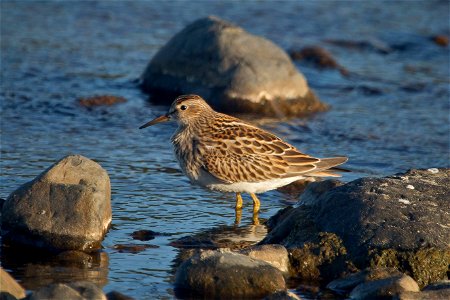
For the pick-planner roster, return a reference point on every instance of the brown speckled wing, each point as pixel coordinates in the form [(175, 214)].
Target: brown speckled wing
[(235, 151)]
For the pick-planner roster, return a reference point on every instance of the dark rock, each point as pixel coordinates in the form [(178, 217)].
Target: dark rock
[(437, 291), (133, 248), (67, 207), (114, 295), (146, 235), (100, 100), (384, 288), (319, 57), (441, 285), (232, 69), (226, 275), (276, 255), (81, 290), (425, 295), (346, 284), (362, 224), (371, 45), (9, 288), (296, 188)]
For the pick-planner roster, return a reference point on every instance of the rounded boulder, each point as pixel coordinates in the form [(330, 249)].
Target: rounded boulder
[(67, 207), (227, 275), (235, 71)]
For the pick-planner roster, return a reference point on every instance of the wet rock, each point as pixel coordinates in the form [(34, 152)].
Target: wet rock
[(384, 288), (226, 275), (133, 248), (81, 290), (371, 45), (362, 224), (282, 295), (441, 285), (114, 295), (100, 100), (437, 291), (67, 207), (346, 284), (232, 69), (424, 295), (276, 255), (9, 288), (320, 57)]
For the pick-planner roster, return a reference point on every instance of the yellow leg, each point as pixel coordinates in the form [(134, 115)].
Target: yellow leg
[(238, 216), (256, 203), (255, 219), (238, 201)]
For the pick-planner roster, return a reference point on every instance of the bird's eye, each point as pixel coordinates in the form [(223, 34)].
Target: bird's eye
[(183, 107)]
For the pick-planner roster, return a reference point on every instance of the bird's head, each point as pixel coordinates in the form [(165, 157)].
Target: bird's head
[(184, 110)]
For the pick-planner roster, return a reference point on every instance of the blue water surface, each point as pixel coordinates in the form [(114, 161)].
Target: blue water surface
[(390, 115)]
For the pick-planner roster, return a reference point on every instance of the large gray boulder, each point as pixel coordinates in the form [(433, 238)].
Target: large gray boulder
[(67, 207), (399, 221), (227, 275), (232, 69)]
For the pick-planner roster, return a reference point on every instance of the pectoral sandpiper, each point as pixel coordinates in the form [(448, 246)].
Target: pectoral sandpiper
[(224, 153)]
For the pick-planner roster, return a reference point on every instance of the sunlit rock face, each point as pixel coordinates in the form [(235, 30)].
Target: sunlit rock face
[(227, 275), (232, 69), (67, 207)]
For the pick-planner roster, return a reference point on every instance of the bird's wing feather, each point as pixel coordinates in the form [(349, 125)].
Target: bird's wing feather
[(236, 151)]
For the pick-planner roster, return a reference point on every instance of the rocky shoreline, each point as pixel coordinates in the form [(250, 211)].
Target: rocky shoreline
[(369, 238)]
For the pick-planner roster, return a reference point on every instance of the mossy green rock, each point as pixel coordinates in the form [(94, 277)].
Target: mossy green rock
[(400, 221)]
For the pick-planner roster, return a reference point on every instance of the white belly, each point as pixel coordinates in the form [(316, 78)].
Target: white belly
[(205, 179)]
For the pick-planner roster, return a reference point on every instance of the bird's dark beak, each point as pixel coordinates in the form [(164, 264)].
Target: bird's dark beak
[(160, 119)]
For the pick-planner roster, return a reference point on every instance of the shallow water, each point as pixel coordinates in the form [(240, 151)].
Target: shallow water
[(390, 115)]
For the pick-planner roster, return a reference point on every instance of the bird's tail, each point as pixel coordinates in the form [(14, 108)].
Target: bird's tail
[(327, 166)]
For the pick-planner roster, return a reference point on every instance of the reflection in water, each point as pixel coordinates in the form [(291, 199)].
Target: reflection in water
[(37, 268), (225, 236)]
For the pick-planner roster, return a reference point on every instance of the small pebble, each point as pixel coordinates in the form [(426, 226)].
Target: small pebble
[(404, 201), (409, 186), (433, 170)]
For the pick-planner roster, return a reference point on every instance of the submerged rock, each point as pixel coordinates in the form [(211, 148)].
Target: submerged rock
[(320, 57), (232, 69), (100, 100), (9, 288), (227, 275), (114, 295), (67, 207), (75, 291), (346, 284), (371, 222)]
